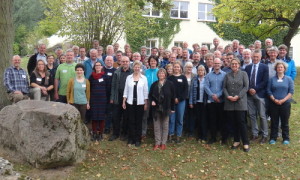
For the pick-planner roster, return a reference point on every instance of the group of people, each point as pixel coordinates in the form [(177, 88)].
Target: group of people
[(208, 94)]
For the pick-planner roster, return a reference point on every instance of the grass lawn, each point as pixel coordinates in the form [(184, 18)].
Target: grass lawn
[(188, 160)]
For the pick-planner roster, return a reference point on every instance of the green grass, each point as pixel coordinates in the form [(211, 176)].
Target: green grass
[(189, 160)]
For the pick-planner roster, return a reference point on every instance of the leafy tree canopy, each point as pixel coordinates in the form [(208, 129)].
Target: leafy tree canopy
[(261, 18)]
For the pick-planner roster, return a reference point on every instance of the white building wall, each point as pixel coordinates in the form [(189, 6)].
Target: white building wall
[(295, 43)]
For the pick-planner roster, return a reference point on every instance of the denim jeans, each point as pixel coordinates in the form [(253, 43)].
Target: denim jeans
[(176, 119)]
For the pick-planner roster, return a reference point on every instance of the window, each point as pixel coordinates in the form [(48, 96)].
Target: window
[(150, 44), (180, 9), (291, 52), (207, 44), (205, 12), (150, 11), (178, 43)]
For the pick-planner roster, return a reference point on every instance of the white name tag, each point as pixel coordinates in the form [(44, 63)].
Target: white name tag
[(279, 80), (189, 79), (23, 76), (83, 85), (38, 79), (109, 73), (179, 80), (141, 70), (65, 71), (100, 80)]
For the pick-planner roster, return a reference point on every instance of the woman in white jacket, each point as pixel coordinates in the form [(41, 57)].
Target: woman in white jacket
[(135, 101)]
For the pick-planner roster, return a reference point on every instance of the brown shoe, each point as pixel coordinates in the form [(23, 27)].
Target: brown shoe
[(156, 147), (163, 147), (263, 140)]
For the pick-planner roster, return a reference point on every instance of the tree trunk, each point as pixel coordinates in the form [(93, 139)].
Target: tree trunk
[(6, 43), (292, 30)]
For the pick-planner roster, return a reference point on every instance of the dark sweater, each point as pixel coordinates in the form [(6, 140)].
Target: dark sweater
[(180, 85)]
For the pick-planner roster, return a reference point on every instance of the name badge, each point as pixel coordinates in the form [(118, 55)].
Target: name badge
[(83, 85), (100, 80), (179, 80), (23, 76), (188, 79), (38, 79), (141, 70), (109, 73), (64, 71), (279, 80)]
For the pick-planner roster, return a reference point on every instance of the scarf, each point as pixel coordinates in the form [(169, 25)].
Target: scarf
[(97, 75)]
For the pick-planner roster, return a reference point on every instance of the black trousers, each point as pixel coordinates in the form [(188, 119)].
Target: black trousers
[(215, 118), (201, 122), (280, 112), (120, 117), (238, 119), (135, 122)]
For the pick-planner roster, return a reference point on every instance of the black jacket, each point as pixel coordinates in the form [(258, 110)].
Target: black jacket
[(165, 99), (32, 63)]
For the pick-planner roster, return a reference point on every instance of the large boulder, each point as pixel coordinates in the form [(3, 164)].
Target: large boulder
[(45, 134)]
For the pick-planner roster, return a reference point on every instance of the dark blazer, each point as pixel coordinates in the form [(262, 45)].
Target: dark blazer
[(262, 78)]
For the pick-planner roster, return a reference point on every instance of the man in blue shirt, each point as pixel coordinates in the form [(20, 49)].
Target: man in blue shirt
[(214, 89), (16, 81)]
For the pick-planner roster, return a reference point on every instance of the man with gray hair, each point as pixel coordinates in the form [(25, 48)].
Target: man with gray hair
[(216, 42), (16, 81), (137, 57), (75, 49), (273, 53), (89, 64), (235, 46), (41, 55), (246, 58), (110, 52), (58, 53)]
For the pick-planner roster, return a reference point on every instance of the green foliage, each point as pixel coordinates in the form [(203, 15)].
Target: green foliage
[(261, 18), (139, 28), (83, 21), (230, 32), (26, 16)]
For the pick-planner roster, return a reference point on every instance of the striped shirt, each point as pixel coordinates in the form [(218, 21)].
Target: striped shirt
[(16, 80)]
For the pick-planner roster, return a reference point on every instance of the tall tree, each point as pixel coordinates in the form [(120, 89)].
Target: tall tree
[(83, 21), (261, 18), (6, 43)]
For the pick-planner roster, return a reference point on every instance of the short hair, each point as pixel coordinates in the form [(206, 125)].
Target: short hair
[(257, 41), (283, 46), (143, 47), (57, 49), (153, 57), (247, 50), (168, 65), (69, 50), (273, 48), (93, 50), (95, 40), (269, 39), (257, 51), (99, 47), (137, 63), (279, 62), (41, 45), (235, 40), (109, 46), (75, 46), (50, 56), (209, 55), (107, 57), (79, 65), (119, 51), (230, 53), (201, 67), (188, 64), (162, 70), (235, 59)]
